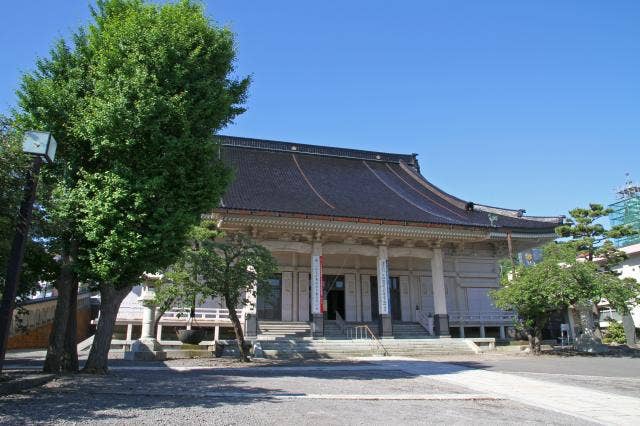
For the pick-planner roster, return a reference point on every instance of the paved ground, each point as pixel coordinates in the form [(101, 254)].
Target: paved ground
[(463, 390)]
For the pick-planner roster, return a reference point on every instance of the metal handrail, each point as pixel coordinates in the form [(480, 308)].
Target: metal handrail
[(425, 321), (340, 322), (363, 332)]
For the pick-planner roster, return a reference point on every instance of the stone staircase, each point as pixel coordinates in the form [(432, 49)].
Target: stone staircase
[(409, 330), (332, 329), (278, 330), (342, 349), (401, 330), (293, 340)]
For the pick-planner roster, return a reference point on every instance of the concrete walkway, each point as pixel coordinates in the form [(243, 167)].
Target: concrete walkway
[(586, 404)]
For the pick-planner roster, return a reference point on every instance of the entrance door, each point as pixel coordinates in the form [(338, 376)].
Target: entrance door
[(375, 312), (335, 295), (396, 310), (270, 301)]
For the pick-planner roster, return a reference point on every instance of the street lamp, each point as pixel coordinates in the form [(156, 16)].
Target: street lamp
[(42, 147)]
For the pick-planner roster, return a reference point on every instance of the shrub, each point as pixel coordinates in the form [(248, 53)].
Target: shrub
[(615, 333)]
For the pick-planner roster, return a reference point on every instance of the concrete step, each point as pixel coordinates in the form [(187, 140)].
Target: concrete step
[(328, 348), (275, 330)]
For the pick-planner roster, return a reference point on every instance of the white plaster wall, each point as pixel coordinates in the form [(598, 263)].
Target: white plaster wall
[(630, 268)]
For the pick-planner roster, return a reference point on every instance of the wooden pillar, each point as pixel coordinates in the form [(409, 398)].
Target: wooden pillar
[(441, 317)]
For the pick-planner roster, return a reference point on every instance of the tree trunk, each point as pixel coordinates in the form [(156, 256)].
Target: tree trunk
[(237, 328), (587, 322), (69, 360), (64, 285), (110, 300), (535, 340)]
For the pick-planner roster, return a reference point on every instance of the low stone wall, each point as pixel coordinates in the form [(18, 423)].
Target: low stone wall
[(39, 321)]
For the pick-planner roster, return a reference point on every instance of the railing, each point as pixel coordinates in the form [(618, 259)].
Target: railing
[(481, 318), (608, 314), (363, 332), (340, 322), (134, 313), (425, 321)]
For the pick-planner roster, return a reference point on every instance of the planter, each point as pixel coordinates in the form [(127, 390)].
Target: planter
[(219, 349), (192, 337)]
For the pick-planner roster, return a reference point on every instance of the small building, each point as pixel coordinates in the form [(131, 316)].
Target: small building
[(629, 268), (362, 237)]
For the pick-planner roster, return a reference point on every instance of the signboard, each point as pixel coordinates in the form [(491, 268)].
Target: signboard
[(316, 284), (383, 287)]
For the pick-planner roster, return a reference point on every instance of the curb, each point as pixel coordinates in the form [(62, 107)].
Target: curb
[(21, 383)]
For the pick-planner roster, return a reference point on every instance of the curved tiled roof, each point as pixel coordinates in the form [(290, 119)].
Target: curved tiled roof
[(314, 180)]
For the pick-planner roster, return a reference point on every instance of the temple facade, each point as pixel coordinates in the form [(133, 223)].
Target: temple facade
[(363, 238)]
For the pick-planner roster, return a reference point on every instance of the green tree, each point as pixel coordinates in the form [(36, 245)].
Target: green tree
[(233, 268), (179, 286), (237, 270), (136, 101), (592, 239), (559, 281), (593, 243)]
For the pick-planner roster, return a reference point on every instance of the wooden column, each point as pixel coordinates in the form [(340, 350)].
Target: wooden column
[(441, 317)]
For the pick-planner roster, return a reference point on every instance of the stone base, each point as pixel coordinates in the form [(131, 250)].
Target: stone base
[(590, 344), (317, 326), (145, 350), (441, 325), (386, 326), (251, 326), (629, 329)]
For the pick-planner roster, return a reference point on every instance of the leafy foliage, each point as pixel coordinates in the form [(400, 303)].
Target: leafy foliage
[(615, 333), (592, 242), (233, 268), (560, 280), (134, 102), (591, 238)]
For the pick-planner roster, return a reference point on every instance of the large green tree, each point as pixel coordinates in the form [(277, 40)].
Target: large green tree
[(134, 101), (558, 282), (594, 243)]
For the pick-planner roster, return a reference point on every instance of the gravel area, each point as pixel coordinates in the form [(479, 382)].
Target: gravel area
[(225, 391), (251, 396)]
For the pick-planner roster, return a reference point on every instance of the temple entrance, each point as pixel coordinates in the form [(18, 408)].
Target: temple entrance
[(375, 312), (334, 288), (269, 306), (396, 307)]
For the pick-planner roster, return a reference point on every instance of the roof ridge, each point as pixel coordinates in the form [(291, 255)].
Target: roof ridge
[(329, 151)]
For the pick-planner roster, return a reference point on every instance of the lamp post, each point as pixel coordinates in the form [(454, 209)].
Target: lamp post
[(42, 147)]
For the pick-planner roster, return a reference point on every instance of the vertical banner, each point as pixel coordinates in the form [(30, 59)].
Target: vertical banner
[(316, 284), (322, 307), (383, 287)]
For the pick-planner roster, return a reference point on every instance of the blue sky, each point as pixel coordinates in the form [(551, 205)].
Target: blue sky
[(530, 105)]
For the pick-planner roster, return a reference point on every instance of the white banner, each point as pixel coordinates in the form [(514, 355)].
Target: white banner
[(316, 284), (383, 287)]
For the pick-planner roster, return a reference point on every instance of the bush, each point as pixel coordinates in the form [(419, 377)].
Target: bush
[(615, 333)]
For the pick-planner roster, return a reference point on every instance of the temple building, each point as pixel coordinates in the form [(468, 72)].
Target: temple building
[(363, 238)]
